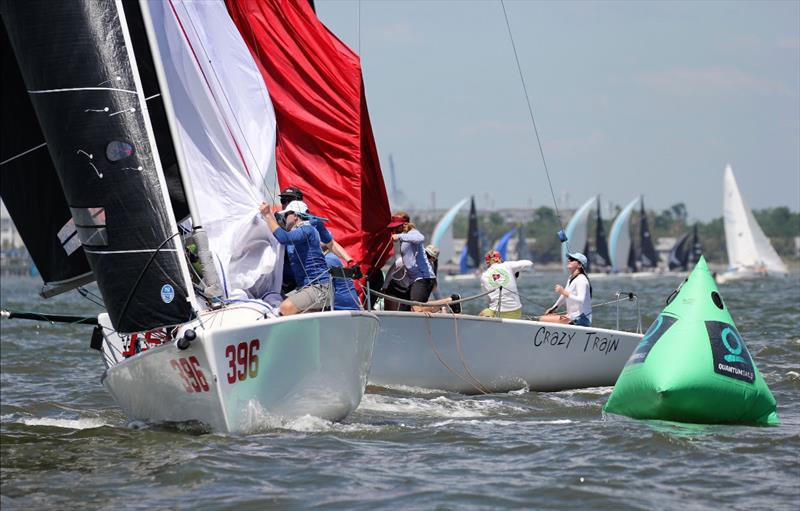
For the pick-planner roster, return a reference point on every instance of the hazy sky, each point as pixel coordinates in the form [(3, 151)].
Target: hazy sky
[(629, 98)]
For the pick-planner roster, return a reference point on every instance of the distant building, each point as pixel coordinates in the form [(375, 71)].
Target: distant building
[(9, 236)]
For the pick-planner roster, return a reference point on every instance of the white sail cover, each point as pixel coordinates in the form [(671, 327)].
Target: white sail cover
[(620, 238), (577, 230), (748, 247), (442, 236), (226, 130)]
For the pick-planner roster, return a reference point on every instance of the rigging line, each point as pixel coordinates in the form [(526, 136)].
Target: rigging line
[(358, 2), (432, 344), (43, 144), (530, 111)]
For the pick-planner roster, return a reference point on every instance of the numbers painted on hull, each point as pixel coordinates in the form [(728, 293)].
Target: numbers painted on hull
[(242, 360), (189, 370)]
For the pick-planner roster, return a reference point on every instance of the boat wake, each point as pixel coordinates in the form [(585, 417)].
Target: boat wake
[(437, 407), (77, 424)]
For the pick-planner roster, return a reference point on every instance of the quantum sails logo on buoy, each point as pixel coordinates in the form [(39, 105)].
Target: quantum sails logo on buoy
[(731, 357)]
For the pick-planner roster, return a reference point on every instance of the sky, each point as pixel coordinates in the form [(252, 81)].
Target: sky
[(630, 98)]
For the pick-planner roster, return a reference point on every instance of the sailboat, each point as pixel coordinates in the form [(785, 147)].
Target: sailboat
[(442, 237), (460, 353), (469, 262), (750, 254), (620, 244), (600, 258), (150, 127), (686, 251), (578, 231), (623, 253), (648, 258)]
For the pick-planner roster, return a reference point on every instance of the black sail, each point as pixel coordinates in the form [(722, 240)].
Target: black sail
[(679, 255), (79, 69), (31, 190), (602, 258), (473, 238), (649, 257)]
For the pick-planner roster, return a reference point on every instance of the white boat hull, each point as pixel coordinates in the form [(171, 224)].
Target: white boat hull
[(242, 370), (470, 354)]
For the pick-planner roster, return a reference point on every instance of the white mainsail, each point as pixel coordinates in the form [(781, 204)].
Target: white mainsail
[(227, 138), (577, 230), (442, 236), (748, 247), (620, 238)]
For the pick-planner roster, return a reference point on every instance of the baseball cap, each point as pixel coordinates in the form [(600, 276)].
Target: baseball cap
[(296, 206), (399, 219), (291, 193), (578, 257)]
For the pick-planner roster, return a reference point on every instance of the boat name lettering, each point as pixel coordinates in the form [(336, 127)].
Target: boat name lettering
[(553, 338), (242, 360), (189, 370), (596, 343)]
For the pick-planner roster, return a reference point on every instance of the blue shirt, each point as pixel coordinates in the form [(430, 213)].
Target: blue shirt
[(305, 254), (345, 296), (414, 258)]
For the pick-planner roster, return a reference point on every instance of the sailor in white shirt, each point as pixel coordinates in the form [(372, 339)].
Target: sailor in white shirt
[(577, 295), (500, 278)]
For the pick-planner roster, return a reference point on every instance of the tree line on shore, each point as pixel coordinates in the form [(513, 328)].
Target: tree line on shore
[(780, 224)]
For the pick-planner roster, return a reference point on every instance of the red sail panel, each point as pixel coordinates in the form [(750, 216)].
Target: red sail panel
[(325, 144)]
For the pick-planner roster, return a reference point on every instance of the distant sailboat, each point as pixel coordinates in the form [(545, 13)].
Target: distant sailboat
[(749, 251), (686, 251), (578, 231), (648, 258), (600, 257), (620, 240), (471, 255), (679, 254), (442, 236)]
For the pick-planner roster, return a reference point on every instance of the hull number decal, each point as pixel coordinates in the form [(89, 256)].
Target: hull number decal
[(242, 360), (189, 370)]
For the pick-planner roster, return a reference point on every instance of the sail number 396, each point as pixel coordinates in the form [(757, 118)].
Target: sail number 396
[(242, 360)]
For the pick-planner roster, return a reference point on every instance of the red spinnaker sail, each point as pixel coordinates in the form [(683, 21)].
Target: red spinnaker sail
[(325, 144)]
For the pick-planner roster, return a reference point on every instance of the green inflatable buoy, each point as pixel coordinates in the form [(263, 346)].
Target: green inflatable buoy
[(693, 366)]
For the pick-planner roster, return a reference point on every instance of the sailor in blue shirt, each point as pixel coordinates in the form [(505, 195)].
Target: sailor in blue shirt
[(345, 296), (302, 241), (415, 261)]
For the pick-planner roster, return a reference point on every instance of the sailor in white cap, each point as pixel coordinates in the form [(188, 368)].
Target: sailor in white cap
[(577, 295)]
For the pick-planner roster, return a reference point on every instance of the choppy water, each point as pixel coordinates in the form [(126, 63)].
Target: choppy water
[(64, 444)]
